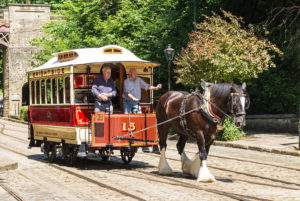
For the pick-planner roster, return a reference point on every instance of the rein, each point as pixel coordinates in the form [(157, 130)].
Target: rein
[(182, 114)]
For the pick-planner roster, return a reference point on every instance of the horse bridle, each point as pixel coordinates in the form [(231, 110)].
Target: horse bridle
[(234, 103)]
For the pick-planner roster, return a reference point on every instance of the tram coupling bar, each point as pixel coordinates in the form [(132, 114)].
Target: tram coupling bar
[(134, 139)]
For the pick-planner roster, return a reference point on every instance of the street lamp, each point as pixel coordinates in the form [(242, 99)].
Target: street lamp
[(169, 53)]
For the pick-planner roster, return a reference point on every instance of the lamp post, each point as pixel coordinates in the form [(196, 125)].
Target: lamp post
[(169, 53)]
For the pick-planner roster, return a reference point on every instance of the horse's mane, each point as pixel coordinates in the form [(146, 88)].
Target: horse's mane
[(221, 89)]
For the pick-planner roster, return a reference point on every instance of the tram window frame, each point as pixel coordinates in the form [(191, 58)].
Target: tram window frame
[(43, 92), (67, 92), (48, 91), (83, 97), (60, 86), (38, 91), (32, 92), (54, 90)]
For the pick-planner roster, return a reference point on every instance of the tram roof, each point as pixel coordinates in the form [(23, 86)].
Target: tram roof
[(97, 56)]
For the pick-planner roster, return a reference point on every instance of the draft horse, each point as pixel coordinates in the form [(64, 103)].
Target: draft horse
[(224, 99)]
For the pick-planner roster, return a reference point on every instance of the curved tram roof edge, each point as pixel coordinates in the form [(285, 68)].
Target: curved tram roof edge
[(88, 56)]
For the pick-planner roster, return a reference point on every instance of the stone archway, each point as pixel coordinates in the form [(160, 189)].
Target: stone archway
[(4, 43), (25, 21)]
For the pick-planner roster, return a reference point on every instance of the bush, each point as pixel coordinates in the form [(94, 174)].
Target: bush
[(23, 115), (229, 131)]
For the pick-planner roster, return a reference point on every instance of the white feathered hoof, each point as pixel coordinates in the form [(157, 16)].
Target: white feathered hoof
[(195, 166), (186, 163), (163, 166), (204, 174)]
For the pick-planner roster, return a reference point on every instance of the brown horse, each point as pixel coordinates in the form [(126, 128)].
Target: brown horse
[(224, 98)]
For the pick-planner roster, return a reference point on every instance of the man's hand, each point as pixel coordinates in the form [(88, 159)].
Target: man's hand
[(158, 86), (103, 97), (135, 99)]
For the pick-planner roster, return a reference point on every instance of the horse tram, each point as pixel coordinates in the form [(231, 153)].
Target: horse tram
[(61, 110)]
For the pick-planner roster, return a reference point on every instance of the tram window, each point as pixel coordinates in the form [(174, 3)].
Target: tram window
[(43, 95), (84, 97), (48, 90), (54, 91), (38, 92), (60, 90), (145, 94), (67, 89), (32, 93)]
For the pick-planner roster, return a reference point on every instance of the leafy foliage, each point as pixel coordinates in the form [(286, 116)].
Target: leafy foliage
[(222, 50), (229, 132), (23, 114), (146, 27)]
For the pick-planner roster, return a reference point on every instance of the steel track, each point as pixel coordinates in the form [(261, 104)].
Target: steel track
[(173, 182), (80, 176), (11, 192), (184, 184)]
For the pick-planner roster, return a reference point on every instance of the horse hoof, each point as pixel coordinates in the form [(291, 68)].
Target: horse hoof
[(165, 169), (206, 180)]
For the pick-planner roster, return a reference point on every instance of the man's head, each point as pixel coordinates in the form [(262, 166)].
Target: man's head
[(132, 73), (106, 70)]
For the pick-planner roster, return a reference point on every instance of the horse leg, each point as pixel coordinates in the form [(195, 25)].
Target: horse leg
[(207, 147), (185, 161), (204, 174), (163, 166)]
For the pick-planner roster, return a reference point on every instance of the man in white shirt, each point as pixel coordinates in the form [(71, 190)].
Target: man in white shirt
[(132, 92)]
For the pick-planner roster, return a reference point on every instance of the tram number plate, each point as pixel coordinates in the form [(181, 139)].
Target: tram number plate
[(130, 128)]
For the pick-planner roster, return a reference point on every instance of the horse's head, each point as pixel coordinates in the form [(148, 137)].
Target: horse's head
[(239, 102)]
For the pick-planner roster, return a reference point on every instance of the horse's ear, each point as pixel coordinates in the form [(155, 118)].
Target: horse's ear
[(244, 86)]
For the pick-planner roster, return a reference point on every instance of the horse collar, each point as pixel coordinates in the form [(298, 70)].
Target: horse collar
[(207, 109)]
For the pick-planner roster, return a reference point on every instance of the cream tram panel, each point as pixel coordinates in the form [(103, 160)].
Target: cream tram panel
[(71, 135)]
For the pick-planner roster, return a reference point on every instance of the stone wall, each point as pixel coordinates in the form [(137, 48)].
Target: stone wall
[(25, 22), (284, 123)]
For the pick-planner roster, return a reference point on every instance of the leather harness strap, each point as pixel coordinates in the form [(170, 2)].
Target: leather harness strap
[(182, 115), (205, 109)]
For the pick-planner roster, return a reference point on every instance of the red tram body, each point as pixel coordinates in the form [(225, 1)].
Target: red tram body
[(62, 114)]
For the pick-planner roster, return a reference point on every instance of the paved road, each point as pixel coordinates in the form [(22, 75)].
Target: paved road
[(241, 175)]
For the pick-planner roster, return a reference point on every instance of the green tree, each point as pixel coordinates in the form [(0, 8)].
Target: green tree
[(222, 50), (144, 27)]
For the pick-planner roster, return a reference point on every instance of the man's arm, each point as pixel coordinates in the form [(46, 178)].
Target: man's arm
[(96, 92), (155, 88), (132, 97)]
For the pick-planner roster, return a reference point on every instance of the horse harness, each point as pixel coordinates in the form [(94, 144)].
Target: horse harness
[(182, 111), (205, 108)]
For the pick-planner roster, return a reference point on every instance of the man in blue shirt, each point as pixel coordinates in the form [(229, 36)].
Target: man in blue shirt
[(104, 89), (132, 92)]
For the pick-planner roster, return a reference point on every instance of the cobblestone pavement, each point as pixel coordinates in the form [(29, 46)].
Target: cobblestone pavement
[(241, 175)]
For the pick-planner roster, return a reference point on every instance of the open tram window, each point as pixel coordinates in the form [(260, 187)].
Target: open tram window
[(84, 97), (48, 90), (38, 92), (43, 94), (145, 95), (32, 88), (67, 90), (54, 91), (60, 86)]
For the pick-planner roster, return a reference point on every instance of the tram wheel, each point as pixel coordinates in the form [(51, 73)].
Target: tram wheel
[(65, 153), (127, 154), (72, 156), (52, 153), (104, 154)]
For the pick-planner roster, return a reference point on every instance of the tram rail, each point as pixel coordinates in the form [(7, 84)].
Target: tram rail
[(12, 192), (174, 181)]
